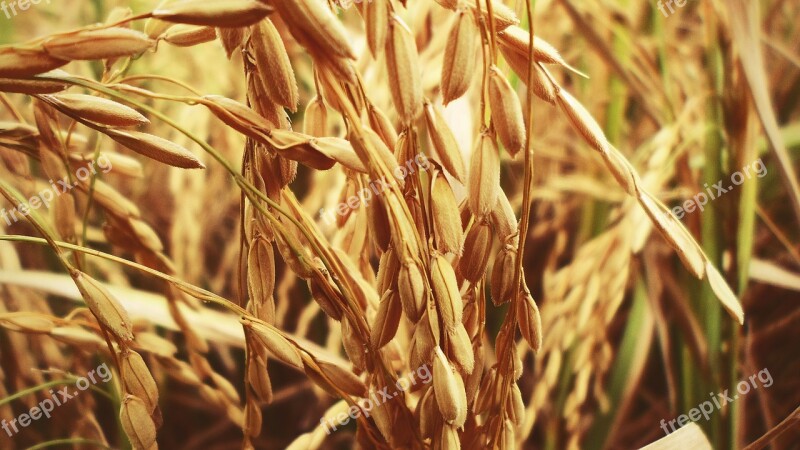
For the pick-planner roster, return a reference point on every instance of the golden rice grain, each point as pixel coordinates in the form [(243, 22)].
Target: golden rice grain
[(459, 57), (32, 87), (477, 247), (381, 124), (508, 440), (427, 413), (112, 200), (388, 270), (506, 112), (316, 118), (275, 342), (583, 121), (27, 322), (387, 320), (23, 62), (326, 295), (145, 235), (261, 274), (64, 213), (104, 306), (137, 379), (622, 170), (189, 35), (517, 408), (354, 346), (79, 337), (449, 438), (446, 217), (294, 254), (516, 40), (503, 218), (98, 110), (403, 66), (259, 380), (156, 148), (238, 116), (378, 220), (445, 291), (343, 378), (504, 16), (122, 165), (680, 239), (450, 395), (461, 349), (431, 329), (214, 13), (136, 421), (503, 276), (273, 62), (412, 290), (484, 175), (530, 321), (314, 25), (445, 143), (252, 419), (231, 38), (376, 24), (103, 43)]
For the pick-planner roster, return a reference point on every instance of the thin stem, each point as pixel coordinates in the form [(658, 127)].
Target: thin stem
[(90, 194), (195, 291), (33, 389), (71, 379), (161, 78), (487, 60), (510, 321), (70, 441), (11, 108), (492, 35)]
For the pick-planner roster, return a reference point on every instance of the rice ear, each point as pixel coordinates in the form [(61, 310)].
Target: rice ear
[(98, 110), (450, 394), (446, 293), (445, 143), (21, 63), (214, 13), (506, 112), (404, 77), (315, 27), (137, 423), (484, 176), (156, 148), (387, 319), (104, 306), (459, 55), (376, 23), (446, 218), (104, 43), (273, 61)]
